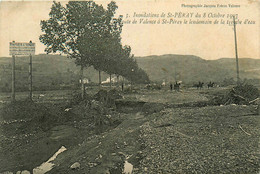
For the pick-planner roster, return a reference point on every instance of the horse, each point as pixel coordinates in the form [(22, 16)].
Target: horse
[(211, 85), (199, 85)]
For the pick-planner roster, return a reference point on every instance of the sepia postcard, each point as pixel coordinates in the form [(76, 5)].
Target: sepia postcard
[(127, 87)]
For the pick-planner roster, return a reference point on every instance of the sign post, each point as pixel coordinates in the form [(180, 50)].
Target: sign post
[(30, 78), (13, 78), (18, 48)]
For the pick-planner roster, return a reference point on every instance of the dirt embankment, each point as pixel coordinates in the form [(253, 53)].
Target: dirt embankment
[(27, 134)]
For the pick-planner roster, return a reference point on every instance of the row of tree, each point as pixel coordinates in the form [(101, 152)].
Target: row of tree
[(90, 34)]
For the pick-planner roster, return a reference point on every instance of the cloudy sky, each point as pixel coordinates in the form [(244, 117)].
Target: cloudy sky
[(20, 21)]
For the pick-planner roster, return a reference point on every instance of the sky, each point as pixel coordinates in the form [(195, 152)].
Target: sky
[(20, 22)]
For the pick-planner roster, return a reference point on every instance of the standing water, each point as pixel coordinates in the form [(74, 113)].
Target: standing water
[(128, 168), (48, 165)]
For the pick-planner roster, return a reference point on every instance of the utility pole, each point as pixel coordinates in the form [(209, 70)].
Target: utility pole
[(238, 79)]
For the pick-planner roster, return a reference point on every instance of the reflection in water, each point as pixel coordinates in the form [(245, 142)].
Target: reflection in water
[(128, 168), (48, 165)]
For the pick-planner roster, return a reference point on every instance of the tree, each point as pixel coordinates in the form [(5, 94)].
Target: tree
[(80, 30), (110, 47)]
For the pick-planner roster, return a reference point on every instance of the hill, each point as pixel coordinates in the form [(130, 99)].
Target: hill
[(191, 69), (56, 71), (49, 72)]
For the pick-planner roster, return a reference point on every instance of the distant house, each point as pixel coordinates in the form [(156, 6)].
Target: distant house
[(113, 80)]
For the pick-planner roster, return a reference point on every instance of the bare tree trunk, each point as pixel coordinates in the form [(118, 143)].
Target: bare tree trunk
[(123, 81), (82, 83), (99, 77), (117, 79), (110, 81)]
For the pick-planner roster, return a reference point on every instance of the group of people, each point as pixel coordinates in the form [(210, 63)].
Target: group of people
[(176, 86)]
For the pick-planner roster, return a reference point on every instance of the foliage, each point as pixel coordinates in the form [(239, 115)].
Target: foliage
[(90, 34)]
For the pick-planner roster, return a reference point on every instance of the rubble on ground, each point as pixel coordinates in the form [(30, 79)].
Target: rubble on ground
[(213, 139), (240, 94)]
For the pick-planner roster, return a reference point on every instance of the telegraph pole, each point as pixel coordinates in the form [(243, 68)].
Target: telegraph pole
[(238, 79)]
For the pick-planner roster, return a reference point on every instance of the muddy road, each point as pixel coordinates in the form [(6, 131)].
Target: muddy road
[(148, 132)]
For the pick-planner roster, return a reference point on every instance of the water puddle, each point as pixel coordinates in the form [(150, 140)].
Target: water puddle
[(128, 168), (48, 165)]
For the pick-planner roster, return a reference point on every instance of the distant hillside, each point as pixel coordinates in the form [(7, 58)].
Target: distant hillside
[(54, 71), (49, 72), (190, 69)]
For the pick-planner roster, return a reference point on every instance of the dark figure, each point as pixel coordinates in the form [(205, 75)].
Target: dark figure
[(199, 85), (211, 85), (177, 86), (171, 87), (122, 86)]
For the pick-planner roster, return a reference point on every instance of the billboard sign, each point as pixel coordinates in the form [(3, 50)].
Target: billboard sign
[(19, 48)]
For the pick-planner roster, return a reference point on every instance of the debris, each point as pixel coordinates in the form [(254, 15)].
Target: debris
[(183, 134), (121, 153), (164, 125), (255, 100), (92, 164), (244, 130), (25, 172), (74, 166), (242, 94), (67, 109)]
